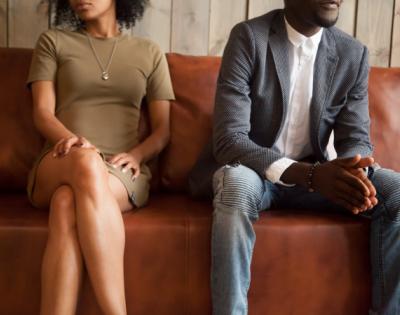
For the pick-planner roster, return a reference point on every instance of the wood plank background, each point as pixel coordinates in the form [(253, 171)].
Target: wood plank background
[(202, 27)]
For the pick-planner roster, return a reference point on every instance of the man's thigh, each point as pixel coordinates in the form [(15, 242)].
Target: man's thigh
[(387, 185)]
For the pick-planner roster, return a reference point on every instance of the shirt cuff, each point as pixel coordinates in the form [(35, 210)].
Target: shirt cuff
[(276, 169)]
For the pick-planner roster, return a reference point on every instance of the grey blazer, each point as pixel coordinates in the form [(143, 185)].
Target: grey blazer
[(253, 91)]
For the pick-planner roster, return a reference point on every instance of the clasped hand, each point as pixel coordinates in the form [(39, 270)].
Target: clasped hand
[(344, 182)]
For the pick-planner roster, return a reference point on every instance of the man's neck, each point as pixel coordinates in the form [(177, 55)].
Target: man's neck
[(306, 29)]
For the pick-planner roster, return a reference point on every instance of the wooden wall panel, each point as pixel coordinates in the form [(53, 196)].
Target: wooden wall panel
[(201, 27), (395, 58), (27, 20), (156, 23), (190, 26), (3, 23), (232, 11), (347, 16), (260, 7), (374, 29)]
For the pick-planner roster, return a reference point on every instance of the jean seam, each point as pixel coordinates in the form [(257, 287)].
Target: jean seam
[(381, 264), (223, 183)]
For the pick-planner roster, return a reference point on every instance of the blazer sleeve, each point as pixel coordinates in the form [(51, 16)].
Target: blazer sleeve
[(231, 142), (352, 125)]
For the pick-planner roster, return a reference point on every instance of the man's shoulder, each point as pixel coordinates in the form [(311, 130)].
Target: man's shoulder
[(259, 24), (345, 43)]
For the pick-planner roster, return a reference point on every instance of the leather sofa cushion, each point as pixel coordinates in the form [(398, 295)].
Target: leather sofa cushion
[(167, 260), (194, 81), (384, 98)]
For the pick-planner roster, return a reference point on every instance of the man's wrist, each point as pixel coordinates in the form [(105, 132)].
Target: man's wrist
[(297, 174), (310, 177)]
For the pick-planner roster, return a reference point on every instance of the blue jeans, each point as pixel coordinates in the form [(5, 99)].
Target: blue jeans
[(240, 194)]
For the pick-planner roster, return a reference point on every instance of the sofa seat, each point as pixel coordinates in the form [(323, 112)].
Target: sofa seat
[(167, 259)]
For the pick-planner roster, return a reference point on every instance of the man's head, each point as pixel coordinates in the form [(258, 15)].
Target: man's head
[(312, 14)]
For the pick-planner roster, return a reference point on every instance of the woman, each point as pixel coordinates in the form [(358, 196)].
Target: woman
[(87, 87)]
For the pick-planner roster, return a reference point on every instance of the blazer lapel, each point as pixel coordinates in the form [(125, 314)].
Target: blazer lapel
[(279, 47), (324, 70)]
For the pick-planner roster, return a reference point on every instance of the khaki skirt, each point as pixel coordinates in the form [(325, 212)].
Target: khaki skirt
[(137, 189)]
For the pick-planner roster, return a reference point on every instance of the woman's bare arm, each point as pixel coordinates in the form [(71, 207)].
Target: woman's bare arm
[(159, 112), (44, 104)]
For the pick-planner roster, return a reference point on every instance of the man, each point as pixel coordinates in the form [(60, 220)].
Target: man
[(287, 80)]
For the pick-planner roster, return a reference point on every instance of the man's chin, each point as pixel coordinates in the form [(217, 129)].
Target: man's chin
[(326, 21)]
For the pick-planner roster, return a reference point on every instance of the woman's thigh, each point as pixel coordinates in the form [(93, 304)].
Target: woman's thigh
[(120, 194), (53, 172)]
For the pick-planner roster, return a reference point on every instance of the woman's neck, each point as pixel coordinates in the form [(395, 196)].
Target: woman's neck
[(104, 27)]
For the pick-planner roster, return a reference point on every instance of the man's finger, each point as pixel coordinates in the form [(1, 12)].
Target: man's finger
[(348, 162), (362, 176), (355, 182), (346, 205), (351, 195), (365, 162)]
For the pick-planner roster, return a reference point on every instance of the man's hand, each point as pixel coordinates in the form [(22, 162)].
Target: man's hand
[(344, 182)]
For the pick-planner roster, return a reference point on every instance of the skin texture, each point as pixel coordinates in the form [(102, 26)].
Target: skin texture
[(342, 181), (85, 201), (308, 16)]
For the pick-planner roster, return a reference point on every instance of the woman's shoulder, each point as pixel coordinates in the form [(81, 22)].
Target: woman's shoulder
[(54, 36), (144, 45)]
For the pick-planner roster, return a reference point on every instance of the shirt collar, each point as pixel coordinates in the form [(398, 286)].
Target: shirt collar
[(297, 39)]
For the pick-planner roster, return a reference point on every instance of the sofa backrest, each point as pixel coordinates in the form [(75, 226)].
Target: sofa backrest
[(194, 81), (384, 100)]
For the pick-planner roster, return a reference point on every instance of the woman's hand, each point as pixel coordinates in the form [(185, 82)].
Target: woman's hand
[(128, 161), (63, 146)]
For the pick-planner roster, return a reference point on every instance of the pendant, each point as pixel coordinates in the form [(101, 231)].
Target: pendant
[(105, 76)]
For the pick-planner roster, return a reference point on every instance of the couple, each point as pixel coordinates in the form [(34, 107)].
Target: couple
[(287, 80)]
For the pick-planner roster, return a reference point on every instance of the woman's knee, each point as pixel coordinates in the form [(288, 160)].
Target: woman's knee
[(87, 167), (238, 187), (62, 218)]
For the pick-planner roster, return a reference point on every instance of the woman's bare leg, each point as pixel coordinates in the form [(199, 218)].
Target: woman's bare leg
[(62, 262), (98, 219)]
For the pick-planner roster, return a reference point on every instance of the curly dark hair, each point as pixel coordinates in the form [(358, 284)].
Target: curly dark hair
[(127, 11)]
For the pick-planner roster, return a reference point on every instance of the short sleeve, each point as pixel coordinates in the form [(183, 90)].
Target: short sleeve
[(159, 86), (44, 60)]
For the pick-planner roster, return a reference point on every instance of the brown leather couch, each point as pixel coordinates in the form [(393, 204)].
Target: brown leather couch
[(304, 263)]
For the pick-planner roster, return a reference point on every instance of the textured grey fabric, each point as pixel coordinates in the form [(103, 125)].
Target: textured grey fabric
[(253, 91)]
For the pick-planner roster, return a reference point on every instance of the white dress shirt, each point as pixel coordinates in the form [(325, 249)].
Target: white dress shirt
[(294, 140)]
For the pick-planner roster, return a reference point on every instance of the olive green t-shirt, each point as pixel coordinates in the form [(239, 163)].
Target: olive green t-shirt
[(105, 112)]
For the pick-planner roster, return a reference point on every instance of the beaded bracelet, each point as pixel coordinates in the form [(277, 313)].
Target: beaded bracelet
[(310, 176)]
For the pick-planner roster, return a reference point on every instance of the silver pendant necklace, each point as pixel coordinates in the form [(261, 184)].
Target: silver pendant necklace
[(105, 74)]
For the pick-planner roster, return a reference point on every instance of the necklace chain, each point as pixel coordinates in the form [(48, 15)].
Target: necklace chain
[(105, 75)]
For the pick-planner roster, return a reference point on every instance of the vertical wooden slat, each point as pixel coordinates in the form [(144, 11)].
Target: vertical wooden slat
[(374, 29), (395, 60), (224, 15), (347, 16), (3, 23), (259, 7), (190, 26), (156, 23), (27, 19)]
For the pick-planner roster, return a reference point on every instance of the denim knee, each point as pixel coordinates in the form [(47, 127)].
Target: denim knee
[(387, 184), (238, 188)]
